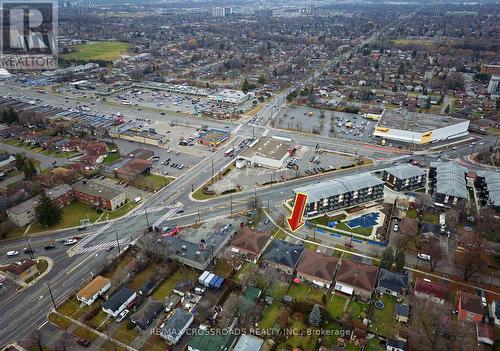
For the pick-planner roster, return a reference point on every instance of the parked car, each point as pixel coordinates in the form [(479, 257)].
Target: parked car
[(424, 257), (122, 316), (82, 341)]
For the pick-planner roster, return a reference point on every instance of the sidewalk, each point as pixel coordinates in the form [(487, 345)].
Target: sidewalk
[(102, 335)]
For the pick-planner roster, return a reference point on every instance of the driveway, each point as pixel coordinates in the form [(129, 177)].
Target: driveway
[(45, 161)]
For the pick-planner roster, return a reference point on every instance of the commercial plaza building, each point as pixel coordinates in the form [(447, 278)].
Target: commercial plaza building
[(419, 128), (341, 193)]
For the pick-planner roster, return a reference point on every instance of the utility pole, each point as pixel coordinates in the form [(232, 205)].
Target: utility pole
[(231, 202), (51, 296), (212, 169), (147, 219), (31, 250), (199, 219), (253, 132), (117, 242), (109, 337), (255, 197)]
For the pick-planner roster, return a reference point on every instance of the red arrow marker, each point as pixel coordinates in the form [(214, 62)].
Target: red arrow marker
[(295, 221)]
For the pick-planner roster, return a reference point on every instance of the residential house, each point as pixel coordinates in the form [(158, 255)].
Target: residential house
[(251, 244), (147, 313), (249, 343), (7, 162), (396, 345), (22, 269), (408, 226), (356, 278), (183, 286), (90, 292), (211, 342), (391, 283), (283, 255), (119, 301), (24, 212), (485, 334), (428, 290), (405, 177), (495, 311), (402, 312), (147, 288), (469, 307), (341, 193), (176, 325), (98, 195), (317, 268)]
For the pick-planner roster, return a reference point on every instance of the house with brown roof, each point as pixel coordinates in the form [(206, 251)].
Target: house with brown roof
[(134, 168), (22, 269), (426, 289), (251, 244), (469, 307), (90, 292), (408, 226), (356, 279), (317, 268)]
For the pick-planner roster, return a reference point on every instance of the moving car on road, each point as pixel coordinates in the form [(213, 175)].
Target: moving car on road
[(12, 253)]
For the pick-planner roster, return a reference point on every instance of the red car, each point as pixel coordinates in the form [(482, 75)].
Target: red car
[(82, 341)]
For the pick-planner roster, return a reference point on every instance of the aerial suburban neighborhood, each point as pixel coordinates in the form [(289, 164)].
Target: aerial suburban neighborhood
[(246, 175)]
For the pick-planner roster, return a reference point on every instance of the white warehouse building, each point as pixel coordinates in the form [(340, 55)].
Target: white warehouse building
[(419, 128), (269, 152)]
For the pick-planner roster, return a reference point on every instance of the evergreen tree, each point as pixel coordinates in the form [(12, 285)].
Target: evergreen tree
[(47, 211), (447, 109), (315, 316), (400, 260), (387, 258), (245, 86)]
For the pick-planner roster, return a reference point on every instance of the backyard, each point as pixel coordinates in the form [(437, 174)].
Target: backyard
[(383, 321)]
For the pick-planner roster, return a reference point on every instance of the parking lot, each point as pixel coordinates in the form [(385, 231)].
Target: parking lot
[(186, 155), (307, 161), (342, 125)]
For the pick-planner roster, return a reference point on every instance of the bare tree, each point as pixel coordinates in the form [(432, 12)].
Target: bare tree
[(434, 328), (435, 252), (473, 258), (36, 337)]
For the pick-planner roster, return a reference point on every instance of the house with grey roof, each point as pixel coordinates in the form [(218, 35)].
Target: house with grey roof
[(249, 343), (335, 194), (405, 177), (487, 185), (176, 325), (392, 283), (283, 255), (447, 183)]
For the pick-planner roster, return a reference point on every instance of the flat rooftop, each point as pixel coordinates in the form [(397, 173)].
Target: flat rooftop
[(415, 122), (268, 147)]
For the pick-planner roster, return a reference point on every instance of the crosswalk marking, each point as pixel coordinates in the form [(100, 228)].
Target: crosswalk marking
[(102, 246)]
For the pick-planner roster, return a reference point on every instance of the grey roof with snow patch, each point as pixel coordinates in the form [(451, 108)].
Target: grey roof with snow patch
[(317, 191), (450, 179), (405, 171)]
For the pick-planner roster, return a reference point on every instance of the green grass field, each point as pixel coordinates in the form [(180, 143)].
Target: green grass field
[(107, 51)]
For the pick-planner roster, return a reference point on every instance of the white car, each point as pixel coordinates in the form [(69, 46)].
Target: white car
[(424, 257), (12, 253), (70, 242), (396, 227), (122, 316)]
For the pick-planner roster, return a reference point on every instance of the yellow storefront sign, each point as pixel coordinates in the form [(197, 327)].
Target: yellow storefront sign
[(426, 138)]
